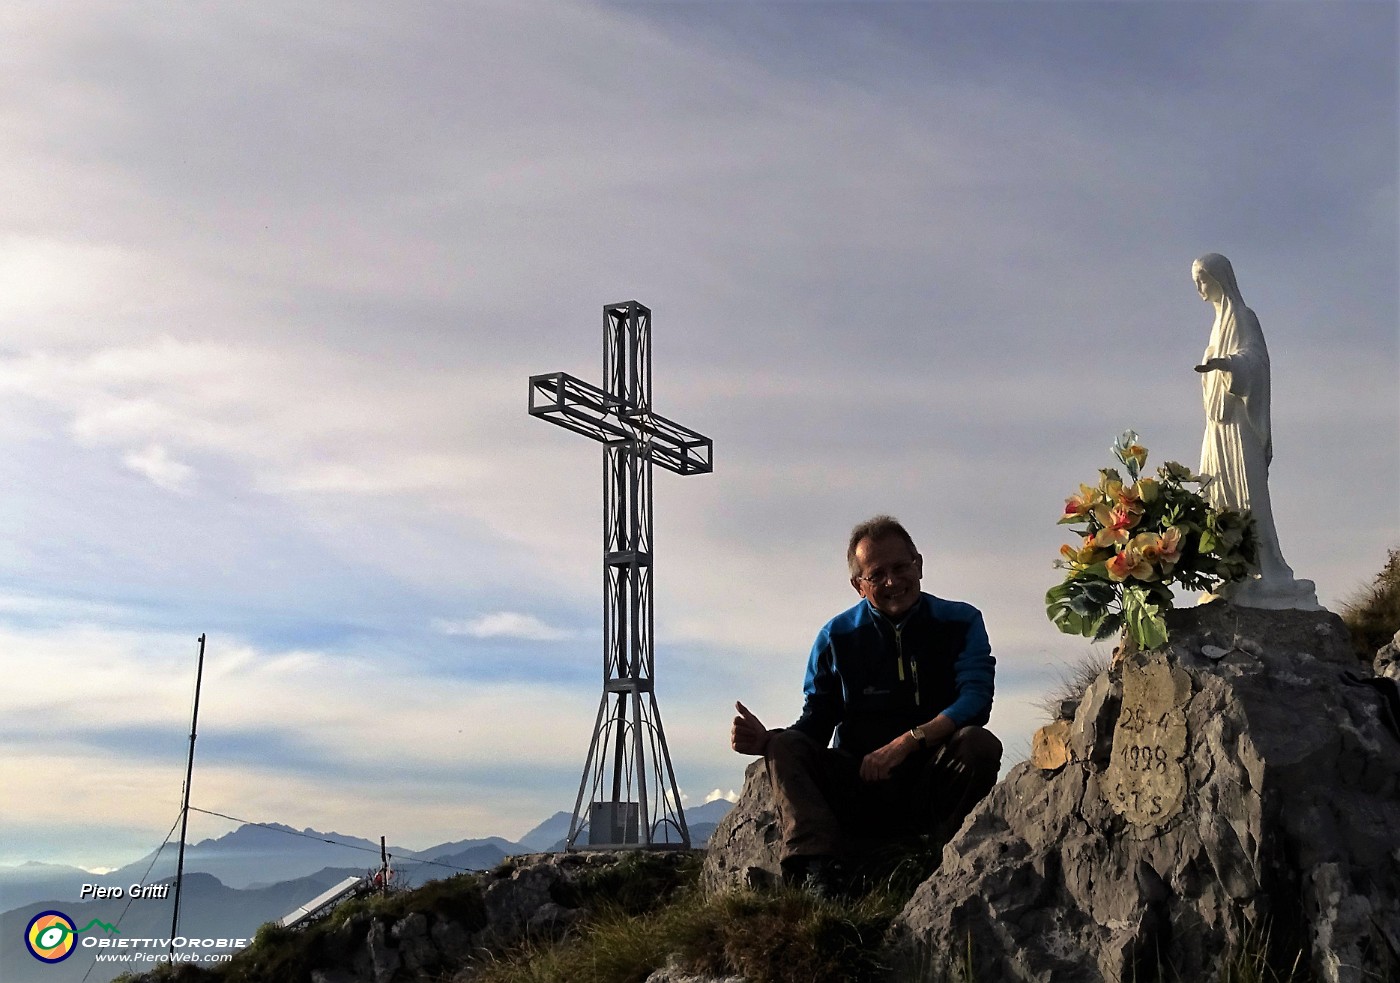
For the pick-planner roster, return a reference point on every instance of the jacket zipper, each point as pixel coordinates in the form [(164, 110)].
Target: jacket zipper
[(898, 652), (899, 662)]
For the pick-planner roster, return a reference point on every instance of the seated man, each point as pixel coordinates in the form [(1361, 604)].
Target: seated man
[(904, 681)]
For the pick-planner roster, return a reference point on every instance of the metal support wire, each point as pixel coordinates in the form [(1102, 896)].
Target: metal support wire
[(633, 799)]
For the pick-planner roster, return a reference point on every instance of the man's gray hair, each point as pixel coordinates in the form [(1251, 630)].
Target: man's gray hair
[(877, 527)]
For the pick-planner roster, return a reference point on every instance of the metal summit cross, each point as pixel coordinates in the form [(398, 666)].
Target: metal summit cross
[(641, 809)]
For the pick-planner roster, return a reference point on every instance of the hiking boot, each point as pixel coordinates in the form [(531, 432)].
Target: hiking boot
[(820, 877), (827, 881)]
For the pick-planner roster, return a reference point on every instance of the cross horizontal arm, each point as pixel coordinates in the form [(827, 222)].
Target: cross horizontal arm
[(674, 447), (575, 405)]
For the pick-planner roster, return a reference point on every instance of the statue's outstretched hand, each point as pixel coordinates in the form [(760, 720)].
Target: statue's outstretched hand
[(1213, 365), (747, 735)]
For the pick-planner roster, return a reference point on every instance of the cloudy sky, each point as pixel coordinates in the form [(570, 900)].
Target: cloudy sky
[(273, 278)]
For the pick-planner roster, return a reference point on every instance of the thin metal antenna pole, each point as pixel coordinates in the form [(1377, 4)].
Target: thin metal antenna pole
[(185, 806)]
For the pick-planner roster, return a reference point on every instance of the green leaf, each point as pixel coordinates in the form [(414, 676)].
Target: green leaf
[(1066, 608), (1100, 592), (1161, 595), (1110, 626), (1143, 619), (1208, 541), (1082, 605)]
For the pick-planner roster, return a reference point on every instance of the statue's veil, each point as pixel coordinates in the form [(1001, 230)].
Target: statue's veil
[(1237, 333)]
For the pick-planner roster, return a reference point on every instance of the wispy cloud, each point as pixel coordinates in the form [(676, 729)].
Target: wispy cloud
[(155, 463), (503, 624)]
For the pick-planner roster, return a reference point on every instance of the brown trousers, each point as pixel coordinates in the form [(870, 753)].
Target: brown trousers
[(827, 810)]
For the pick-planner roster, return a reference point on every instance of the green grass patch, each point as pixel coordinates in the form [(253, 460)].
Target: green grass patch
[(1372, 613), (775, 937), (640, 881)]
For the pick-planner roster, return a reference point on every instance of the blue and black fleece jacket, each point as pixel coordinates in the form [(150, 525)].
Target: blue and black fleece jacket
[(869, 678)]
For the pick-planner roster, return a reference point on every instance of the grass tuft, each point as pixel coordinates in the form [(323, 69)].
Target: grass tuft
[(639, 882), (776, 937), (1073, 681), (1258, 957), (1372, 613)]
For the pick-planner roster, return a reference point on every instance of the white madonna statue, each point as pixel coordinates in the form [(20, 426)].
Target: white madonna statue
[(1238, 444)]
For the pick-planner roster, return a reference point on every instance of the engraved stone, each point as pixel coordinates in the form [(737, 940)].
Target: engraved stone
[(1146, 777)]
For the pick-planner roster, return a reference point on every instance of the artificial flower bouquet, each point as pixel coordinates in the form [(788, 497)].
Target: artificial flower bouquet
[(1138, 539)]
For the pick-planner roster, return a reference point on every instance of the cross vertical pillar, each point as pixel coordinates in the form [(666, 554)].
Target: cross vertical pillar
[(633, 800)]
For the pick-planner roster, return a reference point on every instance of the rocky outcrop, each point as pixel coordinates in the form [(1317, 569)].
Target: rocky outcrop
[(1242, 783), (1387, 662), (743, 849), (444, 930), (515, 902)]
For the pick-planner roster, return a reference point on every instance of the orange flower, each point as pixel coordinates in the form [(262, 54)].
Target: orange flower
[(1116, 522), (1134, 496), (1129, 563), (1163, 550), (1078, 506), (1086, 555), (1171, 545)]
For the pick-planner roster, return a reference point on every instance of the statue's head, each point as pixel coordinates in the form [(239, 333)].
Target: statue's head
[(1214, 277)]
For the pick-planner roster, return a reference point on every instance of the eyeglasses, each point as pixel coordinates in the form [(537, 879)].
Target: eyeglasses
[(878, 578)]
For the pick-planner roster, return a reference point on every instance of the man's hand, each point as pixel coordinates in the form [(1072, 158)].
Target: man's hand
[(747, 735), (877, 765)]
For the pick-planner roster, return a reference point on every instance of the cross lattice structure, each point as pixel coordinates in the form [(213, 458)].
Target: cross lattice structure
[(633, 800)]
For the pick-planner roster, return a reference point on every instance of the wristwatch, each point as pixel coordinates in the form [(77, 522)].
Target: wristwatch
[(918, 734)]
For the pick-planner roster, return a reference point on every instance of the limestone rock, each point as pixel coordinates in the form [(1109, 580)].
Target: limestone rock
[(670, 973), (416, 947), (1091, 737), (1257, 789), (743, 849), (1388, 659), (1050, 746), (384, 958), (514, 900), (453, 942)]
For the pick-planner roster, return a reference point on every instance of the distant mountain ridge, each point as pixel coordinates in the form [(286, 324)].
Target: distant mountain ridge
[(255, 857), (236, 882)]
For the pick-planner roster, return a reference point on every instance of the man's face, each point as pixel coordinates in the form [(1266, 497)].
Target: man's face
[(889, 574)]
